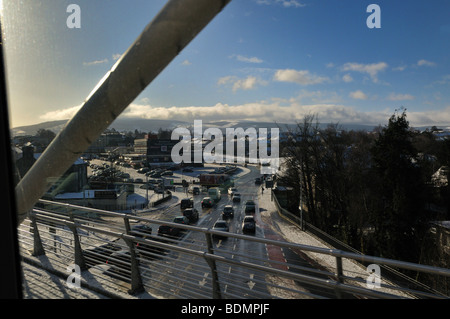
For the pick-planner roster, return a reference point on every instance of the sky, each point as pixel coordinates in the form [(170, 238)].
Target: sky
[(261, 60)]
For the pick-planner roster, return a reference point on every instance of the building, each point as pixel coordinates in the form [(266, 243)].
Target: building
[(156, 150)]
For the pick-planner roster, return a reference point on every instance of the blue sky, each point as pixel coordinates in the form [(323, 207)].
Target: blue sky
[(265, 60)]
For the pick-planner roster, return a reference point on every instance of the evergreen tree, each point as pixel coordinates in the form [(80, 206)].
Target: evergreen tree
[(400, 190)]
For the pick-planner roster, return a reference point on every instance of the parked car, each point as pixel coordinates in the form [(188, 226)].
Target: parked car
[(191, 214), (249, 225), (250, 206), (207, 202), (258, 180), (167, 173), (143, 170), (186, 203), (221, 225), (236, 197), (228, 212)]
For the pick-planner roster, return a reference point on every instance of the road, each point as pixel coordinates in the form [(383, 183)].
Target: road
[(186, 276)]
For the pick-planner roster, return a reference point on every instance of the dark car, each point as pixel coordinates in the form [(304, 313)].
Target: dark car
[(100, 254), (221, 225), (186, 203), (120, 265), (249, 225), (168, 231), (228, 212), (250, 206), (191, 214), (144, 231), (207, 202), (258, 180), (195, 190), (236, 197)]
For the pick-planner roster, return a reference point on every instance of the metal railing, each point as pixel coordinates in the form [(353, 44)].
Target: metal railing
[(115, 254), (389, 272)]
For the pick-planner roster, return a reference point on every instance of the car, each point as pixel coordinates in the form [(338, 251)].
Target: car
[(186, 203), (119, 265), (168, 231), (249, 225), (187, 170), (191, 214), (220, 225), (231, 191), (207, 202), (236, 197), (250, 206), (144, 231), (228, 212), (258, 180), (181, 220), (143, 170), (195, 190), (167, 173), (101, 254)]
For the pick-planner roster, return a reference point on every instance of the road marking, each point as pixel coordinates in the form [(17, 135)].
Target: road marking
[(250, 283), (203, 281)]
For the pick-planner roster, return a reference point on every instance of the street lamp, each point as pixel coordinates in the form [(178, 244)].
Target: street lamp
[(300, 206)]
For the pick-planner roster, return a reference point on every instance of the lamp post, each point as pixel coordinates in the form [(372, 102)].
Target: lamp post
[(300, 206)]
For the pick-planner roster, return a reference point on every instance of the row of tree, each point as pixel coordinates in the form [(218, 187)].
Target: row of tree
[(371, 190)]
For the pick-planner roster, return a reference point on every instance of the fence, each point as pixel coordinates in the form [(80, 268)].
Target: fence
[(114, 251), (389, 272)]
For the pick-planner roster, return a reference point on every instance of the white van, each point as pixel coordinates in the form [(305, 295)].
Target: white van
[(214, 193)]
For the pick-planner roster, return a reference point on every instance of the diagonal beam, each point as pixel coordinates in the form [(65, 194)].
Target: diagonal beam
[(161, 41)]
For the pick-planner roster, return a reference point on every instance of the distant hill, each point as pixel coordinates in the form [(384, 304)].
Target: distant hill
[(153, 125)]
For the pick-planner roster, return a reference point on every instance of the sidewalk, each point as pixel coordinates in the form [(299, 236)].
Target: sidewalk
[(39, 283)]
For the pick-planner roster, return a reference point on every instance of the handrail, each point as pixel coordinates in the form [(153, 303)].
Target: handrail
[(337, 282)]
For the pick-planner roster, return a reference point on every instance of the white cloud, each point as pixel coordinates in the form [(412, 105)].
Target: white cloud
[(61, 114), (249, 83), (347, 78), (242, 58), (105, 60), (302, 77), (400, 68), (358, 95), (276, 110), (116, 56), (371, 69), (400, 97), (186, 62), (425, 63), (284, 3)]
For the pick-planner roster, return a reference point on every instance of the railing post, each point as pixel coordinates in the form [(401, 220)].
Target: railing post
[(38, 248), (339, 275), (136, 279), (212, 264), (78, 251)]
